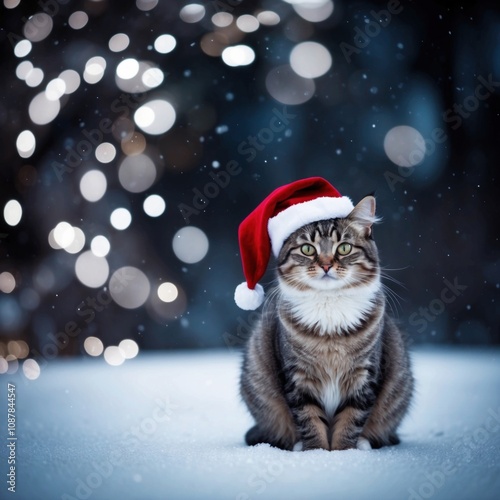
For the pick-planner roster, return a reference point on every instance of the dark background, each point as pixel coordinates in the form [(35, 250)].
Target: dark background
[(439, 218)]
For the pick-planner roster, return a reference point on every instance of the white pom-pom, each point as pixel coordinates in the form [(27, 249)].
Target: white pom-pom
[(248, 299)]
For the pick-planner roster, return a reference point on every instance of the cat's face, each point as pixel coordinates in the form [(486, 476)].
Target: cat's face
[(332, 254)]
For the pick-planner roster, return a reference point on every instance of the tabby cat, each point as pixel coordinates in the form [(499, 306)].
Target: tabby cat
[(326, 367)]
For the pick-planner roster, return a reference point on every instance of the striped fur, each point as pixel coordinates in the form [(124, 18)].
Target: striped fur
[(326, 367)]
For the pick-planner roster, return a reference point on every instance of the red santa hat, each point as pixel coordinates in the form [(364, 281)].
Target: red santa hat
[(284, 211)]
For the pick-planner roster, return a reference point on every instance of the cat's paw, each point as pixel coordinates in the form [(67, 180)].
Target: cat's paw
[(363, 444), (298, 446)]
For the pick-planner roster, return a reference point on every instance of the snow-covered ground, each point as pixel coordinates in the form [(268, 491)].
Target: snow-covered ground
[(171, 426)]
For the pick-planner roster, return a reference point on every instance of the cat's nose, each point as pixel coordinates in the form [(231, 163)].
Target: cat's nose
[(326, 268)]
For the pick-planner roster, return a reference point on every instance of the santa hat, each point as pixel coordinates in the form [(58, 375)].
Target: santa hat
[(284, 211)]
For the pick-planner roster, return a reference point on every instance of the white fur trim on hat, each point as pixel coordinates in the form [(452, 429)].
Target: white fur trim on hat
[(248, 299), (281, 226)]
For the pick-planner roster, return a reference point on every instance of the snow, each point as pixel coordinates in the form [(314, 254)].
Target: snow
[(171, 426)]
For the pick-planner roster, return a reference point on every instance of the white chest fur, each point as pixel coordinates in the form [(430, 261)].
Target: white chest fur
[(331, 310)]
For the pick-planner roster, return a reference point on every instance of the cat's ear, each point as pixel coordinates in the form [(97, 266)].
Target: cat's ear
[(364, 214)]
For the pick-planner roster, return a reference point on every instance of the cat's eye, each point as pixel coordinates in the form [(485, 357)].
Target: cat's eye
[(308, 250), (344, 249)]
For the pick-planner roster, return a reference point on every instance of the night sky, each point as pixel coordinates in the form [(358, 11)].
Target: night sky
[(137, 135)]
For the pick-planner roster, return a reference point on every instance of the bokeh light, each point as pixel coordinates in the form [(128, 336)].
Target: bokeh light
[(190, 244), (93, 185), (192, 13), (105, 152), (25, 144), (154, 205), (129, 348), (93, 346), (165, 44), (22, 48), (42, 110), (314, 11), (7, 282), (94, 69), (100, 246), (118, 42), (55, 89), (155, 117), (120, 218), (31, 369), (310, 59), (23, 69), (129, 287), (287, 87), (238, 55), (127, 69), (404, 146), (64, 234), (222, 19), (38, 27), (167, 292), (78, 241), (78, 20), (247, 23), (71, 80), (12, 212), (137, 173), (113, 355), (92, 271), (268, 18)]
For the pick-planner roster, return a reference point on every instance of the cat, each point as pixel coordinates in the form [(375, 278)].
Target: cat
[(326, 367)]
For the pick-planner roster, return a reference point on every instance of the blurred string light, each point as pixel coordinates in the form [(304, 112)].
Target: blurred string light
[(136, 76), (93, 185), (11, 4), (310, 59), (113, 356), (133, 144), (118, 42), (154, 205), (23, 69), (129, 348), (25, 144), (192, 13), (404, 146), (190, 244), (31, 369), (12, 212), (92, 271), (120, 218)]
